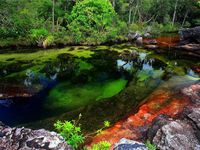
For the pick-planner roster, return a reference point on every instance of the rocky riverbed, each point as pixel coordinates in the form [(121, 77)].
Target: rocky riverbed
[(27, 139), (172, 126)]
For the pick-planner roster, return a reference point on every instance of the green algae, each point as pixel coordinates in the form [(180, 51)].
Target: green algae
[(68, 96), (112, 88), (43, 55), (84, 65)]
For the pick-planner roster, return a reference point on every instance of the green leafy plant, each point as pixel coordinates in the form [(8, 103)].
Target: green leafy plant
[(39, 35), (103, 145), (150, 146), (71, 132), (106, 125)]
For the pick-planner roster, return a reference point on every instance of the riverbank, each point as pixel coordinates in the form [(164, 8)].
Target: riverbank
[(183, 43)]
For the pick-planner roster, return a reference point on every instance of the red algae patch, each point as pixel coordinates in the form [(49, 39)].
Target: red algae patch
[(168, 41), (160, 102)]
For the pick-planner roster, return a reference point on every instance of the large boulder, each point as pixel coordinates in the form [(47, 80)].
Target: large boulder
[(190, 34), (27, 139), (189, 41), (176, 135), (125, 144)]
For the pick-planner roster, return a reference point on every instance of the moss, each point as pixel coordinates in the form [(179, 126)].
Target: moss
[(69, 96), (42, 55)]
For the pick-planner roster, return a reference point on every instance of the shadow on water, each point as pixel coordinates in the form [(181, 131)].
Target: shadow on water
[(105, 86)]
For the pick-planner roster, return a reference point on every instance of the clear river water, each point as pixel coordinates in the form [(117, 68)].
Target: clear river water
[(39, 87)]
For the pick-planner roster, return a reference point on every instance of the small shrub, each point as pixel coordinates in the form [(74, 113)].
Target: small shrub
[(71, 132), (150, 146), (39, 35), (48, 41), (103, 145)]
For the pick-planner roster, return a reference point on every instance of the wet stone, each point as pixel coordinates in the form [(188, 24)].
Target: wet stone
[(125, 144)]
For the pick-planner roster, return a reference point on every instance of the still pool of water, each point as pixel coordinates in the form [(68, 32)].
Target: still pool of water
[(102, 83)]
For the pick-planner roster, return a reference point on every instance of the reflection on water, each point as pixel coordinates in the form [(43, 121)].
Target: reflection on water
[(105, 86)]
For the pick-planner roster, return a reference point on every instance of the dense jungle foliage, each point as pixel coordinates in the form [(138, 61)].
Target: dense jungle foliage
[(90, 22)]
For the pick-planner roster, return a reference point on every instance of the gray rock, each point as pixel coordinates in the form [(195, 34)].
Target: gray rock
[(132, 36), (27, 139), (194, 115), (151, 47), (147, 35), (176, 135), (125, 144), (193, 92), (190, 34), (139, 41)]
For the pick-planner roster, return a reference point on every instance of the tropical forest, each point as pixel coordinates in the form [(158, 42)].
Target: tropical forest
[(99, 75)]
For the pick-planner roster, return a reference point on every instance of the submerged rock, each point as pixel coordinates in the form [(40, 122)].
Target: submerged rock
[(151, 46), (125, 144), (27, 139), (189, 47), (150, 41), (12, 91)]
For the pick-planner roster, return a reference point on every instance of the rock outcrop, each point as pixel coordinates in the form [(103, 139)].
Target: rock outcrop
[(190, 34), (193, 91), (176, 134), (182, 133), (125, 144), (190, 40), (27, 139)]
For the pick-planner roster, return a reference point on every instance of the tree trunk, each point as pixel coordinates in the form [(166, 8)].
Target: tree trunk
[(174, 16), (113, 3), (186, 14), (129, 16), (53, 14)]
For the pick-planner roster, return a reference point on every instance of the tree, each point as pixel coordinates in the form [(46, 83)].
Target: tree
[(93, 20)]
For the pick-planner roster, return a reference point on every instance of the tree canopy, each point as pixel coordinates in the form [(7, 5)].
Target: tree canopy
[(92, 21)]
